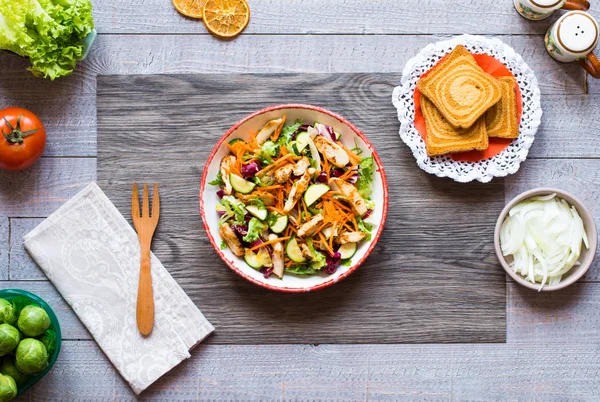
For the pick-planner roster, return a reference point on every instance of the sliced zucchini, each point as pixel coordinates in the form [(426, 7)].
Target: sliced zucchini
[(280, 224), (293, 251), (259, 211), (313, 193), (347, 251), (302, 140), (240, 184), (251, 259)]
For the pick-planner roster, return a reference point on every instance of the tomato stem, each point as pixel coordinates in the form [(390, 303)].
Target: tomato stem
[(15, 136)]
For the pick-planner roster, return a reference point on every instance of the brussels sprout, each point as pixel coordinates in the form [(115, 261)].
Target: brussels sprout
[(8, 368), (8, 388), (9, 338), (33, 321), (31, 356), (49, 341), (8, 312)]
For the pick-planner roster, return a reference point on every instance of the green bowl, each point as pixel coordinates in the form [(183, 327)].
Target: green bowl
[(23, 298)]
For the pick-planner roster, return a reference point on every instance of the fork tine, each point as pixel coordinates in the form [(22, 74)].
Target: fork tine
[(135, 207), (155, 205), (145, 206)]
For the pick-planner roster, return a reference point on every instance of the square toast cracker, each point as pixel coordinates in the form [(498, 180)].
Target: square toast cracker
[(442, 138), (501, 120), (460, 89)]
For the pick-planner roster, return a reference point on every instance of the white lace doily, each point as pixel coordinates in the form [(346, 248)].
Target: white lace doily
[(510, 159)]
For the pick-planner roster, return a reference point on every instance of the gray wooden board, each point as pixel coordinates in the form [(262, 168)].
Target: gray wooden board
[(432, 278)]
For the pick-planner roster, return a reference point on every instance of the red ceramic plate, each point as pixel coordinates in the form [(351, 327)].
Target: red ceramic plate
[(253, 123)]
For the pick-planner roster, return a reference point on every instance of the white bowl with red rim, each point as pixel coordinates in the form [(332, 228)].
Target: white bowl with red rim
[(350, 137)]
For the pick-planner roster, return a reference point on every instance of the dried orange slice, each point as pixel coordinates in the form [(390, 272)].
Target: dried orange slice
[(189, 8), (226, 18)]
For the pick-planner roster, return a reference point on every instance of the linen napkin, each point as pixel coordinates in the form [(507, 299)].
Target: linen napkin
[(92, 256)]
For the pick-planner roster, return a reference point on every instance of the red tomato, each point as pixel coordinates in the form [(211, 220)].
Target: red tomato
[(23, 138)]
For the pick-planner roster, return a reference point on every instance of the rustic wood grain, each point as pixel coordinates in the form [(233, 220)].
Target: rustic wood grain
[(4, 246), (338, 372), (457, 297), (332, 17), (23, 267), (41, 189), (569, 317), (569, 127), (178, 54)]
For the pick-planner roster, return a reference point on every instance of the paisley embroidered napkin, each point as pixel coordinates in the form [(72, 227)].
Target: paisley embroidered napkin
[(91, 254)]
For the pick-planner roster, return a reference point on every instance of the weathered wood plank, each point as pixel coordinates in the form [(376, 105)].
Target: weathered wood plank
[(566, 317), (156, 54), (4, 246), (569, 316), (339, 372), (23, 267), (70, 325), (332, 17), (568, 128), (40, 190), (408, 257), (580, 177)]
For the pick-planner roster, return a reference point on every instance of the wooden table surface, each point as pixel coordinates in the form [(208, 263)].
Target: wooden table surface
[(553, 339)]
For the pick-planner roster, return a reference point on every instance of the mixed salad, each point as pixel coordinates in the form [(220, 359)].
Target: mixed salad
[(294, 199)]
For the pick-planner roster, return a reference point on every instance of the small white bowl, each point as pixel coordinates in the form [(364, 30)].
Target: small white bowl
[(587, 255), (351, 137)]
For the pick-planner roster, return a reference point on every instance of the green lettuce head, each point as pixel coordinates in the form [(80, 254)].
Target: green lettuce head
[(9, 368), (8, 388), (8, 312), (31, 356), (33, 321), (48, 32), (9, 339)]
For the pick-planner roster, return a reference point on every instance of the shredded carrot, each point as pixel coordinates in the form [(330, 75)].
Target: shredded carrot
[(324, 242), (347, 174), (277, 240), (278, 131), (277, 163)]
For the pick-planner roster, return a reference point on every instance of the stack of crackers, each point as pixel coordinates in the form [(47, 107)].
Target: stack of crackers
[(464, 106)]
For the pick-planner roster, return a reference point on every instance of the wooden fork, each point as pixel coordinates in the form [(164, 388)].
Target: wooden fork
[(145, 226)]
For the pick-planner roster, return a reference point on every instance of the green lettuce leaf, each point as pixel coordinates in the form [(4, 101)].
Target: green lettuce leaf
[(234, 208), (301, 270), (49, 32), (255, 228), (286, 132), (319, 260), (366, 170)]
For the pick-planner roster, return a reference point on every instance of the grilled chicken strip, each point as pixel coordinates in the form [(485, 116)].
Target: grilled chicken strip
[(267, 198), (350, 237), (306, 252), (277, 256), (351, 193), (231, 239), (284, 173), (301, 166), (332, 151), (268, 130), (299, 187), (226, 165), (309, 228)]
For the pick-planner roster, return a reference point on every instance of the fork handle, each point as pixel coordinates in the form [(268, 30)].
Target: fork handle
[(145, 299)]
